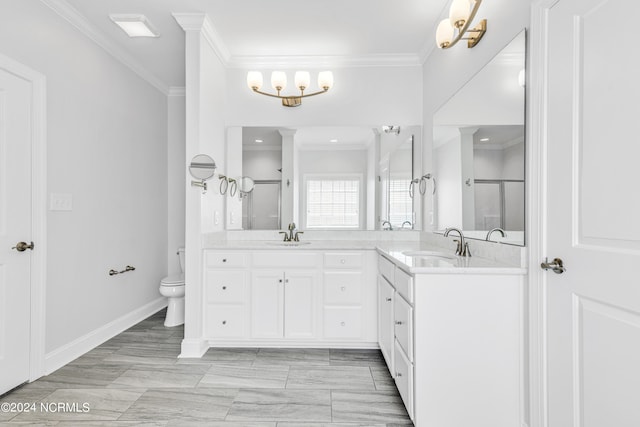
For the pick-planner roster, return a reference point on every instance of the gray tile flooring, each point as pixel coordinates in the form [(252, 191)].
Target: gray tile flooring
[(136, 379)]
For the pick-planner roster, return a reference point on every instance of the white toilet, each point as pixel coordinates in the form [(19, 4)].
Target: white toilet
[(172, 287)]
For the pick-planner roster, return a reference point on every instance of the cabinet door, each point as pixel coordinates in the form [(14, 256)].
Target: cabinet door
[(266, 304), (385, 320), (300, 304)]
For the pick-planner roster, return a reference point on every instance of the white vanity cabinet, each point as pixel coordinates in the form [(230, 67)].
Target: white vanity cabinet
[(453, 343), (290, 297)]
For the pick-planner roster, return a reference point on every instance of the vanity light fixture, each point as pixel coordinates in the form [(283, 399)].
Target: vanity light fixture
[(461, 15), (391, 129), (135, 25), (279, 82)]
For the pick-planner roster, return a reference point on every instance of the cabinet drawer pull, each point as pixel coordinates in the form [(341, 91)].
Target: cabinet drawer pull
[(224, 288), (224, 322), (224, 260), (343, 288), (398, 322), (342, 323), (279, 280), (342, 261), (388, 299)]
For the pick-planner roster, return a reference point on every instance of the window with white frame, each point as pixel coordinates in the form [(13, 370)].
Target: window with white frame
[(400, 203), (333, 201)]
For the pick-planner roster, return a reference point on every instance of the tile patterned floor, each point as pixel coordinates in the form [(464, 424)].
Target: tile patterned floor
[(136, 379)]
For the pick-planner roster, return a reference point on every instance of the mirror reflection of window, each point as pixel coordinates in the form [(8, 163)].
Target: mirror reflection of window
[(400, 203), (333, 202)]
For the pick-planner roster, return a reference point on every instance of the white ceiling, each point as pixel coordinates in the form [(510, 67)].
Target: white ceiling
[(311, 137), (257, 31)]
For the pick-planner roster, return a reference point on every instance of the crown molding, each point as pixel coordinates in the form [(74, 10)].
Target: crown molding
[(75, 18), (390, 60), (201, 22)]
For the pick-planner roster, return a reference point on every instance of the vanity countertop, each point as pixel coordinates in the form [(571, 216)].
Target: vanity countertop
[(396, 253), (304, 245), (393, 250)]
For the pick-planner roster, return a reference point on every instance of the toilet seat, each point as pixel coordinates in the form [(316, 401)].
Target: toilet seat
[(173, 280)]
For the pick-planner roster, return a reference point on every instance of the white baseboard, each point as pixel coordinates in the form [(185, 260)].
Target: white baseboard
[(59, 357), (193, 348)]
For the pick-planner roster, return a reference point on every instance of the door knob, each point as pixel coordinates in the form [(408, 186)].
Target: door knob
[(555, 265), (22, 246)]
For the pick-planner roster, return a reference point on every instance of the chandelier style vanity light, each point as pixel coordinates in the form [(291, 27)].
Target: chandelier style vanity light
[(461, 15), (279, 82)]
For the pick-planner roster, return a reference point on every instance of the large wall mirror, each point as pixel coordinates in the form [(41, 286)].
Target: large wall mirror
[(479, 151), (331, 177)]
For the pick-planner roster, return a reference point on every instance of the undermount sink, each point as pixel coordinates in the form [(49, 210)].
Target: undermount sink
[(281, 243), (429, 254)]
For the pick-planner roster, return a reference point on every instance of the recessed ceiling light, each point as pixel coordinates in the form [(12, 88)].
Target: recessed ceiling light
[(259, 141), (484, 139), (135, 25), (333, 140)]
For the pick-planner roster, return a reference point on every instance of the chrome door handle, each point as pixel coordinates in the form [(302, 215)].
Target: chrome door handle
[(555, 265), (22, 246)]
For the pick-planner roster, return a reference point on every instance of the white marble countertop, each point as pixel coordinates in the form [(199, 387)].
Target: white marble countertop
[(393, 250), (449, 264)]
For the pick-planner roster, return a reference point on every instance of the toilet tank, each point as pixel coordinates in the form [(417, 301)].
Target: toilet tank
[(181, 256)]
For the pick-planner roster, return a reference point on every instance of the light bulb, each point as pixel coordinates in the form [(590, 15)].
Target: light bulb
[(254, 80), (278, 80), (459, 12), (325, 79), (444, 34), (302, 79)]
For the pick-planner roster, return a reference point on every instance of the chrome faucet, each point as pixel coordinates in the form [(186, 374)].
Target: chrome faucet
[(291, 237), (463, 247), (406, 222), (499, 230), (385, 222)]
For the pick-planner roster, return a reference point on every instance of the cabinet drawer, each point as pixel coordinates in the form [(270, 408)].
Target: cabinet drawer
[(343, 288), (404, 378), (226, 286), (404, 285), (227, 259), (225, 321), (403, 325), (290, 260), (340, 322), (343, 259), (386, 268)]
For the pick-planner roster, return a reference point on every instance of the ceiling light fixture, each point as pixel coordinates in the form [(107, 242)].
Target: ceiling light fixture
[(484, 139), (333, 140), (279, 82), (135, 25), (259, 141), (461, 15)]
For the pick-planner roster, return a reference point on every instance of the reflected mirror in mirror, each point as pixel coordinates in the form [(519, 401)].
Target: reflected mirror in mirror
[(479, 151), (246, 184), (202, 167), (327, 177)]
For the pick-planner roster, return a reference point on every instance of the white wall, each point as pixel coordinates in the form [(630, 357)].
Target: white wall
[(107, 146), (262, 164), (176, 180), (446, 71)]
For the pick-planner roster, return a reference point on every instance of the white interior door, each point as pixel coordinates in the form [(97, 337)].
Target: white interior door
[(593, 214), (15, 226)]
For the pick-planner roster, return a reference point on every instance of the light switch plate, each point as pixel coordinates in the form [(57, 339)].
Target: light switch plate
[(60, 202)]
